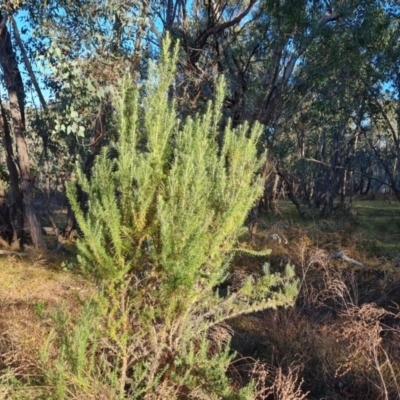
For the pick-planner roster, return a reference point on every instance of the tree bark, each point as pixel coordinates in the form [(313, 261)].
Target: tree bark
[(15, 209), (15, 89), (332, 175)]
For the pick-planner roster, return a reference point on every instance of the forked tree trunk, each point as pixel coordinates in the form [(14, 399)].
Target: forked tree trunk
[(15, 89), (291, 192)]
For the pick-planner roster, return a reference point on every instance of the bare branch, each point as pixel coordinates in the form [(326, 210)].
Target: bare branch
[(216, 29), (3, 22), (28, 64), (329, 17)]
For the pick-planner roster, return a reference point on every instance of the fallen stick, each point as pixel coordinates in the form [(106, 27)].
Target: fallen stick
[(341, 255)]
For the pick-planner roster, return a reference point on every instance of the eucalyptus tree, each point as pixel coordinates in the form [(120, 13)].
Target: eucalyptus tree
[(257, 45), (84, 49), (87, 47), (329, 103), (21, 179), (275, 52), (384, 98)]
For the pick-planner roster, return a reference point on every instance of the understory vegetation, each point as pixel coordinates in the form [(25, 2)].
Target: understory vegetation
[(339, 340)]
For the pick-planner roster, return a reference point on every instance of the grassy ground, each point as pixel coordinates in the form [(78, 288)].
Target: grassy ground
[(31, 290), (379, 222), (341, 338)]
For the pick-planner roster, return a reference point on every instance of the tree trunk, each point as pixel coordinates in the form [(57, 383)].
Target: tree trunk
[(332, 177), (15, 210), (270, 197), (291, 194), (14, 85), (254, 212)]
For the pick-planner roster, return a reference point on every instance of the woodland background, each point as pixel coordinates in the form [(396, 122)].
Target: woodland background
[(321, 77)]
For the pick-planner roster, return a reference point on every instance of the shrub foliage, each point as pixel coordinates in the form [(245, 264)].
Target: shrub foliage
[(166, 205)]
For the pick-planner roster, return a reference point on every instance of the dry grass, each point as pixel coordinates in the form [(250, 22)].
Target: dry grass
[(344, 332), (26, 281), (283, 386), (30, 289)]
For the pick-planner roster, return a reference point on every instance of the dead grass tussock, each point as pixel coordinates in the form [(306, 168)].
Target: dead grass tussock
[(373, 354), (273, 383), (317, 344)]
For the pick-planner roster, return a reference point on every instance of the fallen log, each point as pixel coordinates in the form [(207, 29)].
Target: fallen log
[(342, 255)]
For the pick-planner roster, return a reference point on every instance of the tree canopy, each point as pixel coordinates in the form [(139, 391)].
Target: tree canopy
[(321, 77)]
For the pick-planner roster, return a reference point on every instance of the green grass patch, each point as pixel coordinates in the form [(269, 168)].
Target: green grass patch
[(379, 222), (372, 226)]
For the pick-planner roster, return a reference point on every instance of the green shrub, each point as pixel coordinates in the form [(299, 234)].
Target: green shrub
[(162, 222)]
